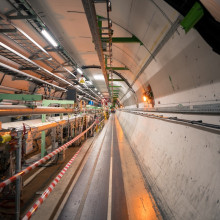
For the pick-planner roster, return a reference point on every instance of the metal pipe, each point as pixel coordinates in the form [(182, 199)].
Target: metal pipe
[(35, 78), (33, 63), (37, 111), (12, 89), (18, 180), (42, 49), (30, 76)]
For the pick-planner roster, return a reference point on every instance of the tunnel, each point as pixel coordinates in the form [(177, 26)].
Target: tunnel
[(110, 109)]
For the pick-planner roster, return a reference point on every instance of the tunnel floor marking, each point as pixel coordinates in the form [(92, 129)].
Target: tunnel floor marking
[(81, 206), (110, 183)]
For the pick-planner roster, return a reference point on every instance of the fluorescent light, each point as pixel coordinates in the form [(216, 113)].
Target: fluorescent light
[(99, 93), (89, 82), (49, 38), (79, 71), (99, 77), (95, 89)]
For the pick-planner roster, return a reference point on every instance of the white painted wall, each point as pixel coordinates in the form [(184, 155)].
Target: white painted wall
[(181, 164)]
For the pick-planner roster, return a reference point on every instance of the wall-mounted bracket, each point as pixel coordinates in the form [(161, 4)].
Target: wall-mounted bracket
[(132, 39), (193, 16)]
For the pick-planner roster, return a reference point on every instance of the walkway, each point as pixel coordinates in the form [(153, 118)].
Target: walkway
[(110, 185)]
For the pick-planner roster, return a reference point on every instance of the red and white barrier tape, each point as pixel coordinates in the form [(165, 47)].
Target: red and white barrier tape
[(43, 160), (47, 192)]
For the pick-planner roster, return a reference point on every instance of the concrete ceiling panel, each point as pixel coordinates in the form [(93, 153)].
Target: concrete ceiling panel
[(90, 59)]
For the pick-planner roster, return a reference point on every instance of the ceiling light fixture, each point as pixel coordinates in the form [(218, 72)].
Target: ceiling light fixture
[(49, 38), (89, 82), (99, 77), (144, 97), (79, 70), (95, 89)]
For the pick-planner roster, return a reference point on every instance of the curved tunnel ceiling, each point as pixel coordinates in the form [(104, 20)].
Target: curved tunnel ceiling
[(68, 21), (152, 59), (115, 72)]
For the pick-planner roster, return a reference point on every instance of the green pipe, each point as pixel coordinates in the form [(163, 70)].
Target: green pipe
[(116, 68), (115, 80), (21, 97)]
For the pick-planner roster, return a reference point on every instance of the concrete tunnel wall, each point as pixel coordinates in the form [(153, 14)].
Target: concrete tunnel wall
[(180, 163), (186, 71)]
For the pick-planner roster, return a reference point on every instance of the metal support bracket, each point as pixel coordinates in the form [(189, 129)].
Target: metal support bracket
[(193, 16), (132, 39)]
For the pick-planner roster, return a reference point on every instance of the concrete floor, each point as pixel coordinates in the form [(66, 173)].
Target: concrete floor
[(110, 185)]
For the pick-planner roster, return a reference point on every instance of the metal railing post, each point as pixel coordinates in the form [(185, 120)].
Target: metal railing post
[(18, 181)]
